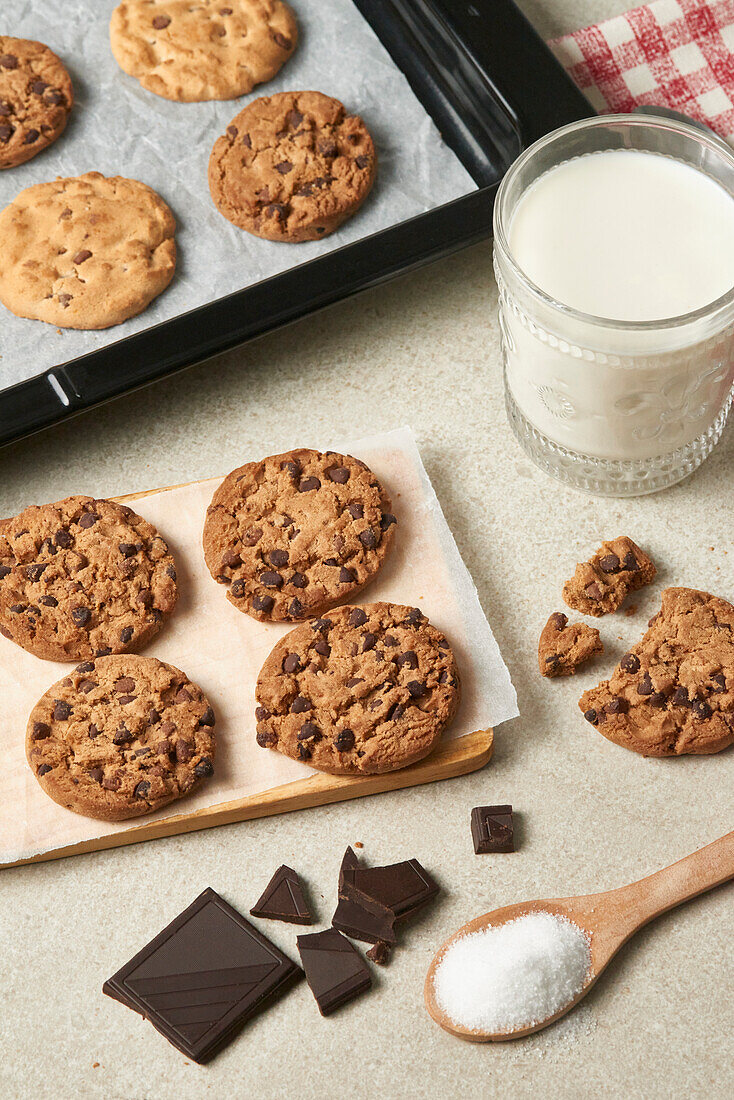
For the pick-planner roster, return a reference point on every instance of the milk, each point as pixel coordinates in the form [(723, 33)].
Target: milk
[(628, 236)]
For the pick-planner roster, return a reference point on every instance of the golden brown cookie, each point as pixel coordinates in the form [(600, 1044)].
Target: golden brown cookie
[(121, 736), (296, 533), (364, 690), (673, 692), (83, 578), (292, 167), (211, 49), (36, 97), (562, 648), (85, 252), (600, 585)]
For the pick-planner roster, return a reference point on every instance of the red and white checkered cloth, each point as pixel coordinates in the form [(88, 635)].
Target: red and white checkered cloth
[(672, 53)]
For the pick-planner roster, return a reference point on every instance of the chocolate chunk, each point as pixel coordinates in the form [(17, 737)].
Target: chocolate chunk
[(493, 829), (369, 642), (63, 539), (8, 61), (283, 167), (43, 769), (81, 615), (339, 474), (40, 731), (380, 953), (122, 736), (271, 579), (126, 634), (368, 538), (308, 484), (396, 711), (203, 977), (402, 887), (309, 731), (278, 558), (417, 689), (204, 768), (371, 926), (630, 662), (125, 684), (292, 663), (645, 686), (301, 704), (262, 603), (617, 705), (356, 511), (357, 617), (284, 899), (335, 970), (81, 257), (207, 718), (322, 647), (609, 563), (701, 709), (142, 789), (298, 580), (88, 519), (344, 741), (62, 710), (346, 576), (593, 591), (160, 22), (387, 520)]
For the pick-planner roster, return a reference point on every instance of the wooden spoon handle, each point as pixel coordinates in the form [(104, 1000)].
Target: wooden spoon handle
[(701, 871)]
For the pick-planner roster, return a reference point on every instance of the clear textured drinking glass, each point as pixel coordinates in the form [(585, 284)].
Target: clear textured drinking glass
[(616, 408)]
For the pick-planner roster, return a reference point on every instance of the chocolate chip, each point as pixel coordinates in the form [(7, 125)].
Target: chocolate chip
[(204, 768), (357, 617), (183, 751), (5, 108), (63, 539), (6, 132), (5, 570), (17, 608), (8, 61), (720, 682), (207, 718), (593, 591), (409, 659), (356, 511), (396, 711), (167, 728), (125, 684), (40, 731), (247, 141), (416, 689), (323, 626), (44, 768), (284, 167), (35, 572), (559, 620), (630, 662), (368, 539), (153, 717), (308, 484), (369, 642), (630, 562), (96, 774), (414, 616), (80, 257), (292, 663), (48, 601), (346, 576), (145, 598), (351, 683), (88, 519), (283, 42), (81, 615), (103, 651), (126, 634), (263, 603), (142, 789), (386, 520), (65, 299), (309, 730), (163, 748), (332, 562), (339, 474), (701, 709), (681, 698), (93, 731), (617, 705), (278, 210), (301, 704), (183, 696), (390, 641), (294, 118), (362, 161), (322, 647), (265, 738), (160, 22), (122, 736), (238, 590), (112, 784), (61, 710), (252, 536), (645, 686), (344, 741), (609, 563), (304, 751), (127, 549), (658, 699), (271, 579), (295, 607), (278, 557), (88, 685), (232, 131), (298, 580)]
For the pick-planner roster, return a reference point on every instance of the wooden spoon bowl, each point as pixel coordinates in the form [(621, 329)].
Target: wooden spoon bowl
[(609, 919)]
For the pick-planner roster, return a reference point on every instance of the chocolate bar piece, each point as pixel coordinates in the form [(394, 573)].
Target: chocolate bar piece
[(283, 899), (493, 829), (402, 887), (371, 926), (201, 978), (380, 953), (335, 970)]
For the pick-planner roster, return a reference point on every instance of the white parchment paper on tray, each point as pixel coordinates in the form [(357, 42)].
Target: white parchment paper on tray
[(222, 650), (118, 128)]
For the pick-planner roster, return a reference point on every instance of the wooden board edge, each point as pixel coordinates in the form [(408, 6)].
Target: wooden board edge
[(458, 757)]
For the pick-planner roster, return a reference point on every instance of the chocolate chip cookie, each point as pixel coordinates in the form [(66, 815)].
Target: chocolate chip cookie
[(364, 690), (213, 49), (600, 585), (673, 692), (121, 736), (563, 647), (83, 578), (296, 533), (85, 252), (292, 167), (36, 97)]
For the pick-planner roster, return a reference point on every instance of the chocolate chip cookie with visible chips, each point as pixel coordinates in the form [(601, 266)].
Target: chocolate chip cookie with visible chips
[(36, 97), (363, 690), (120, 737), (600, 585), (83, 578), (296, 533), (292, 167), (673, 693)]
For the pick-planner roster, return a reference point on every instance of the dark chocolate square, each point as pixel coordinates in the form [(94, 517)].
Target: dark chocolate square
[(201, 978), (335, 970), (492, 829)]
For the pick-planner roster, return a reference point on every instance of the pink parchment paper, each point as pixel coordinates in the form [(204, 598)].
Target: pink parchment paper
[(222, 650)]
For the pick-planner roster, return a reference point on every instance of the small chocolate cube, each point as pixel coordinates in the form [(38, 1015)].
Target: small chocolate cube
[(492, 829)]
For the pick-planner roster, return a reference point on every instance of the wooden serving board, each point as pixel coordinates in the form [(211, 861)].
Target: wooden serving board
[(458, 757)]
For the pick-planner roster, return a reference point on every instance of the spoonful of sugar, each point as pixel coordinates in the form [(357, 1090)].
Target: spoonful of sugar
[(518, 969)]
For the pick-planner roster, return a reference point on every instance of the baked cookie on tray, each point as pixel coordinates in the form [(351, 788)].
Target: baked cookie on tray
[(211, 49), (601, 585), (292, 167), (562, 648), (363, 690), (36, 97), (673, 693), (85, 252), (83, 578), (121, 736), (296, 533)]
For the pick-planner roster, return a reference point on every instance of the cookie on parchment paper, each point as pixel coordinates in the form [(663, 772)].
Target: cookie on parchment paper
[(85, 252), (36, 97), (83, 578), (120, 737), (297, 532), (673, 693), (292, 167), (211, 49), (363, 690)]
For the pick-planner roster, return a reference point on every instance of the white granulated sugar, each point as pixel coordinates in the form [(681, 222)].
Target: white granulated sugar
[(515, 975)]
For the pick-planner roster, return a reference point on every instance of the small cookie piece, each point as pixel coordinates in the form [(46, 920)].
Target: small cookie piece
[(36, 97), (85, 252), (365, 690), (562, 648), (292, 167), (600, 585), (207, 50), (83, 578), (296, 533), (121, 736), (673, 693)]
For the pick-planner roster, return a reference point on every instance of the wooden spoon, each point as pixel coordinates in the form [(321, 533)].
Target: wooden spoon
[(609, 919)]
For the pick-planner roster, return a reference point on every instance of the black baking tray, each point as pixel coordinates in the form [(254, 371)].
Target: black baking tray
[(492, 87)]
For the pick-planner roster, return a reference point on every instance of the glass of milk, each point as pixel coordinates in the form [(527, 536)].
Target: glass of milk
[(614, 256)]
